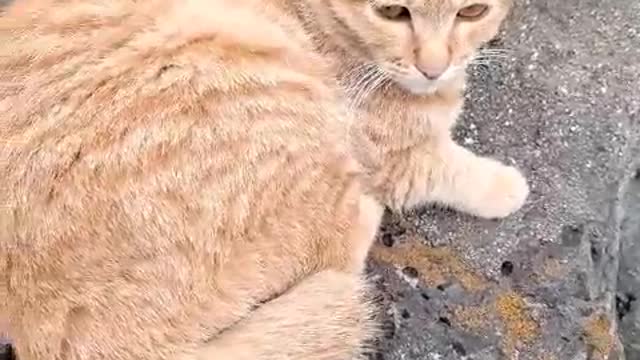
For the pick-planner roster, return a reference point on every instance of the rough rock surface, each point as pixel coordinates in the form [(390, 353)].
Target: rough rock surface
[(561, 278), (544, 283)]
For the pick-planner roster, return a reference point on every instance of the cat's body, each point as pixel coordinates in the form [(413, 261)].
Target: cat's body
[(175, 167), (164, 174)]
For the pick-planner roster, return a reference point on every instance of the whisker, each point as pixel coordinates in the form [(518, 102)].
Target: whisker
[(358, 71), (364, 89), (487, 58), (493, 53), (359, 82), (371, 88), (365, 86), (494, 50)]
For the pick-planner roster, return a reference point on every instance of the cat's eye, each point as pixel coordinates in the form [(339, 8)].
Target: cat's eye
[(473, 12), (394, 12)]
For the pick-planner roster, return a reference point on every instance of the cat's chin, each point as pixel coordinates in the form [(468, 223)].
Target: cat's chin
[(420, 86)]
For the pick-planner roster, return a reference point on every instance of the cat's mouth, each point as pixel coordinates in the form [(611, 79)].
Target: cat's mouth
[(416, 82), (366, 78)]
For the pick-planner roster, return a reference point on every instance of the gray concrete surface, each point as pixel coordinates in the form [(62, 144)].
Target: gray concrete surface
[(561, 278), (544, 283)]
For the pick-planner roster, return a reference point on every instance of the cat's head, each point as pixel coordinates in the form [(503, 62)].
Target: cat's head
[(420, 44)]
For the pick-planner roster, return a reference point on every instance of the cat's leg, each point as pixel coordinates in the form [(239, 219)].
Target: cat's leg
[(448, 174), (328, 316), (478, 185)]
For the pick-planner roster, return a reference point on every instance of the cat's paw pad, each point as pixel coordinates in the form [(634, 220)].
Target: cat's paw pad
[(506, 193)]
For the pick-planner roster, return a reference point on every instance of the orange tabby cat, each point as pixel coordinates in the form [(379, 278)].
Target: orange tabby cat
[(179, 179), (403, 63), (171, 170)]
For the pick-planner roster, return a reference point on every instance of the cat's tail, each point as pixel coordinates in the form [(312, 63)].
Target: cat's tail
[(327, 316)]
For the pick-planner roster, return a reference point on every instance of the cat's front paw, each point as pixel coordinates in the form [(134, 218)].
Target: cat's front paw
[(506, 192)]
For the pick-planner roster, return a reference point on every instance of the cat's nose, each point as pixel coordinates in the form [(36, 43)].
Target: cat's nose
[(433, 58), (432, 71)]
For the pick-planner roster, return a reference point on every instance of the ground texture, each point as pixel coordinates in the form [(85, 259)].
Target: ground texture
[(561, 278)]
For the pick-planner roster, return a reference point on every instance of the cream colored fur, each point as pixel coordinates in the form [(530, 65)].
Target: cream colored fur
[(185, 180)]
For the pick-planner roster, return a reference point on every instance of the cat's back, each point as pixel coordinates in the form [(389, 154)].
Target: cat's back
[(101, 94)]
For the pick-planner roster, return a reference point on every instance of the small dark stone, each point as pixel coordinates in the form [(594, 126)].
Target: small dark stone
[(441, 287), (405, 314), (459, 348), (595, 254), (445, 320), (507, 268), (425, 296), (623, 304), (571, 235), (377, 356), (636, 176), (410, 272), (387, 240)]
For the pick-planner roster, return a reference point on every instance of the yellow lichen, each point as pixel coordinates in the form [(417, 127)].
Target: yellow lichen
[(518, 325), (598, 335), (435, 265)]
